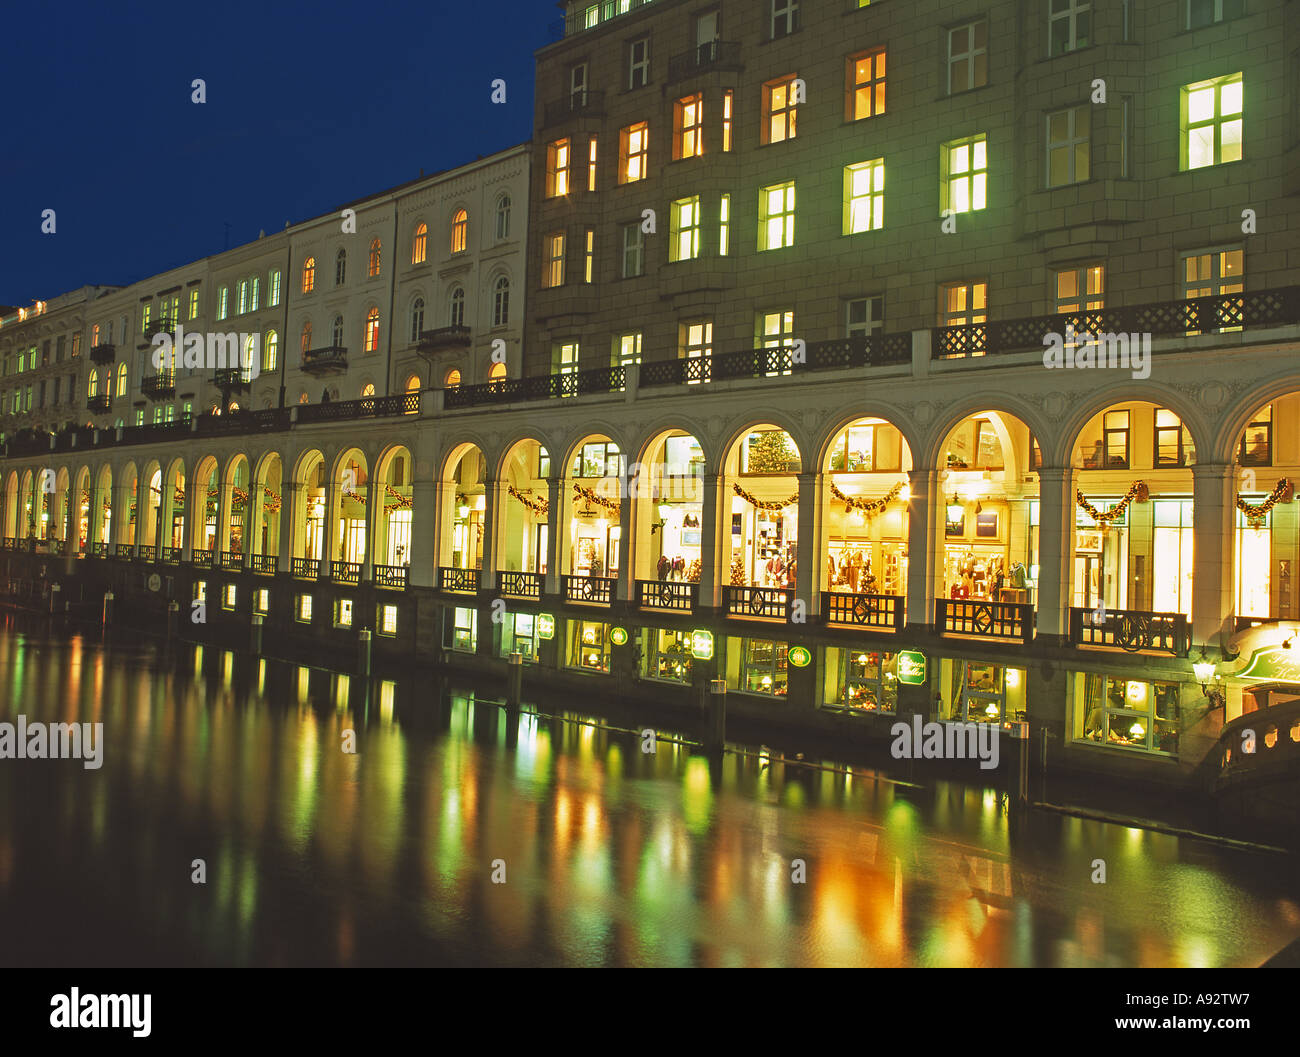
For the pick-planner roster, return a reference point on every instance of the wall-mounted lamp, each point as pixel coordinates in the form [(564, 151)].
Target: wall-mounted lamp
[(1204, 670), (955, 509)]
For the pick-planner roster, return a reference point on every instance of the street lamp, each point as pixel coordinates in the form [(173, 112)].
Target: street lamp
[(1204, 670)]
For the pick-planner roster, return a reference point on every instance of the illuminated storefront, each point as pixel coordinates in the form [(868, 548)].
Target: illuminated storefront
[(764, 525), (1126, 713), (519, 632), (865, 510), (979, 692), (668, 655), (588, 645), (757, 666), (861, 680)]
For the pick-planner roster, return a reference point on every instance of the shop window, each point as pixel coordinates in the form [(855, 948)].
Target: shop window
[(303, 609), (464, 630), (1172, 441), (228, 595), (1172, 548), (669, 655), (985, 693), (519, 632), (1128, 713), (589, 645), (1257, 441), (1253, 567), (388, 620), (769, 451), (876, 448), (1115, 440), (974, 445), (262, 601), (201, 591), (862, 681), (597, 459), (343, 613), (760, 667)]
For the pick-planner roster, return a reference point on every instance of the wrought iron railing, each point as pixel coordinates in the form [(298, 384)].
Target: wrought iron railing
[(346, 572), (454, 337), (104, 352), (589, 590), (327, 359), (99, 549), (394, 576), (148, 552), (520, 585), (123, 551), (305, 568), (232, 561), (201, 557), (171, 555), (462, 581), (711, 55), (884, 612), (1131, 630), (667, 594), (264, 564), (576, 104), (366, 407), (768, 602), (988, 620)]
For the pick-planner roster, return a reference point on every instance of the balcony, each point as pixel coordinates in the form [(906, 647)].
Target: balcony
[(171, 555), (520, 585), (764, 603), (99, 404), (305, 568), (442, 338), (161, 325), (104, 352), (332, 359), (462, 581), (577, 104), (201, 558), (391, 576), (231, 380), (878, 612), (715, 55), (985, 620), (589, 590), (122, 552), (1131, 630), (346, 572), (161, 386), (676, 595), (232, 561), (263, 564)]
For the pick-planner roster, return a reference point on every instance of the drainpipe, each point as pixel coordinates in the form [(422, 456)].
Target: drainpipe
[(392, 305), (284, 301)]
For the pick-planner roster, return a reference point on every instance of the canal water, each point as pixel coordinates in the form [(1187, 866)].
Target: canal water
[(457, 833)]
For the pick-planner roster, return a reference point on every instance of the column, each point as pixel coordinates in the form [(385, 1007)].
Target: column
[(623, 590), (487, 575), (374, 511), (188, 529), (555, 502), (710, 542), (923, 512), (333, 509), (807, 589), (1055, 553), (424, 527), (289, 492), (121, 515), (1213, 525), (141, 512)]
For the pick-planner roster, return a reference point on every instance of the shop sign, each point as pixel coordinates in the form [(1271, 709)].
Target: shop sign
[(799, 656), (702, 645), (545, 626), (911, 667), (618, 636)]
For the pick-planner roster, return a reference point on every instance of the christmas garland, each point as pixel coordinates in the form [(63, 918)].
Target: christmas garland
[(764, 504), (1255, 512), (537, 506), (399, 501), (870, 507), (592, 497), (1137, 490)]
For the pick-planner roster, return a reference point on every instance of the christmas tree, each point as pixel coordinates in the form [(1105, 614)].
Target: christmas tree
[(737, 572), (772, 453)]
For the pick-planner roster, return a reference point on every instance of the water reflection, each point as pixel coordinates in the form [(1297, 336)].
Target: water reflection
[(609, 855)]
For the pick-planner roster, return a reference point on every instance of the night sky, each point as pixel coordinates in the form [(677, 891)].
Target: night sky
[(308, 107)]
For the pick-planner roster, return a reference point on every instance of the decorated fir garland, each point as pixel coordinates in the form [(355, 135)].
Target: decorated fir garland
[(1256, 512), (592, 497), (764, 504), (1137, 490), (399, 501), (541, 507), (870, 507)]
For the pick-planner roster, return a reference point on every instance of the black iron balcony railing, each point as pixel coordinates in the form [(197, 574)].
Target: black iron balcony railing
[(537, 387), (667, 594), (104, 352), (589, 590), (305, 568), (1131, 630), (171, 555), (576, 104), (161, 325), (985, 620), (520, 585), (201, 557), (148, 552), (332, 359), (232, 379), (263, 564), (1199, 315), (367, 407), (123, 552), (161, 386), (766, 602), (713, 55), (455, 337), (462, 581), (99, 404), (232, 561), (346, 572), (883, 612), (393, 576), (99, 549)]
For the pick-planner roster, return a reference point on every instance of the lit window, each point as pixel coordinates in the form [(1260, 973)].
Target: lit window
[(309, 275), (776, 331), (684, 243), (388, 620), (262, 600), (372, 261), (460, 231), (633, 147), (968, 57), (724, 226), (121, 379), (638, 63), (554, 273), (223, 302), (1257, 440), (452, 380), (1068, 147), (557, 168), (627, 349), (566, 358), (864, 196), (726, 119), (256, 290), (92, 383), (228, 595), (497, 373), (145, 312), (1172, 442), (591, 163), (194, 306), (1128, 714), (420, 244), (696, 340), (413, 384), (965, 174), (341, 267), (785, 17), (1080, 290), (501, 302), (866, 85), (306, 336), (1115, 426), (780, 110), (633, 251), (1068, 25), (271, 352), (1212, 122), (588, 255), (417, 318), (688, 127), (1215, 273), (372, 330), (963, 304), (304, 608), (776, 216)]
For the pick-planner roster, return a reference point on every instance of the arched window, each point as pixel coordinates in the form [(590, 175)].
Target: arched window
[(413, 384), (340, 267), (234, 406), (456, 311), (453, 378), (459, 231), (92, 382), (271, 351), (338, 332), (257, 286), (367, 390), (306, 336), (302, 398), (503, 217), (121, 379), (372, 330), (374, 258), (249, 358), (501, 302), (309, 275), (417, 318), (420, 244), (497, 372)]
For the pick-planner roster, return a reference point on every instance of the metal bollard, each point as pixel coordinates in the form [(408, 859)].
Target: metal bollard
[(515, 679), (363, 651), (173, 618), (108, 607), (255, 639), (715, 730), (56, 592)]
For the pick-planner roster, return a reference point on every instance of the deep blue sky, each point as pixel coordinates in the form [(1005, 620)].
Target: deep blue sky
[(308, 106)]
